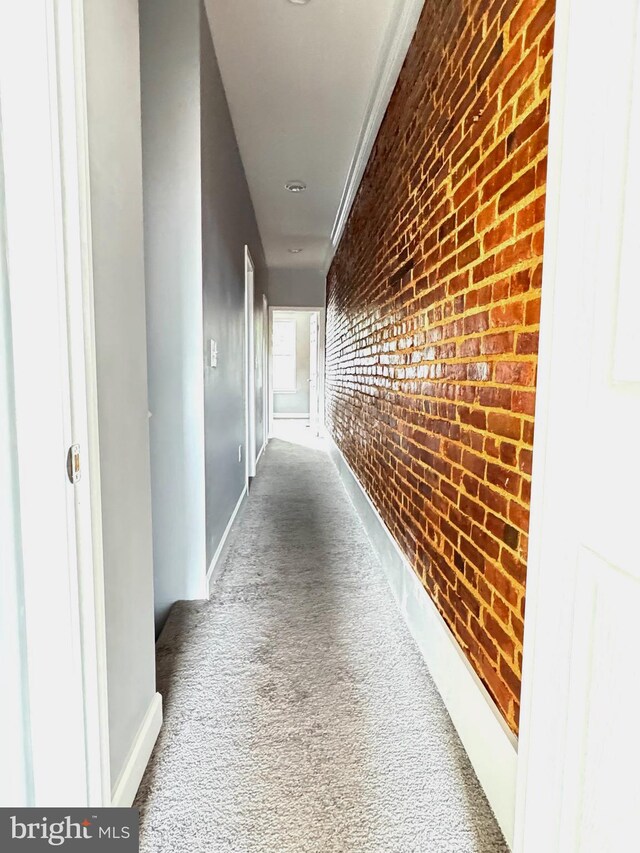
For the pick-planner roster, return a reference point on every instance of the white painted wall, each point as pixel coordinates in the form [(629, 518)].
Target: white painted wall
[(113, 95), (294, 288), (170, 48)]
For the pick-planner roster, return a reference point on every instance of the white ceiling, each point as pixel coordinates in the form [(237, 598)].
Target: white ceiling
[(307, 86)]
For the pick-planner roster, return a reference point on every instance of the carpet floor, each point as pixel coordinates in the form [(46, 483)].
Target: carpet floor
[(299, 716)]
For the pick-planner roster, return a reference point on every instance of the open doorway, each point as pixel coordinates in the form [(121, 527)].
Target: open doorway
[(296, 371)]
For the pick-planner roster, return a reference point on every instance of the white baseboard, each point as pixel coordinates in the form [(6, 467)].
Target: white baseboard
[(491, 746), (124, 791), (262, 450), (223, 541)]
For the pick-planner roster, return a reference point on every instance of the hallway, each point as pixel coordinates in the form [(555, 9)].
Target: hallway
[(298, 714)]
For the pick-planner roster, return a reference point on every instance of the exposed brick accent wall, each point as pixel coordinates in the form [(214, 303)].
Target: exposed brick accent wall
[(432, 324)]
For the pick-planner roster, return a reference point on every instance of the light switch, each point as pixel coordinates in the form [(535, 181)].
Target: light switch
[(213, 354)]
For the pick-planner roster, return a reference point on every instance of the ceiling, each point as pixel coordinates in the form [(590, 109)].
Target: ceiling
[(307, 86)]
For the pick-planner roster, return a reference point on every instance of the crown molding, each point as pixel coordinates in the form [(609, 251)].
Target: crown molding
[(398, 38)]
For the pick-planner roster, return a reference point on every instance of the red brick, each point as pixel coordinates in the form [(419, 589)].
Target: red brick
[(510, 314), (497, 398), (527, 343), (500, 343), (506, 425), (519, 515), (500, 233), (523, 402), (515, 372), (523, 13), (523, 186), (532, 313)]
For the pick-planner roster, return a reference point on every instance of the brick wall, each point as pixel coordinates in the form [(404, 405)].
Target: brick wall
[(432, 324)]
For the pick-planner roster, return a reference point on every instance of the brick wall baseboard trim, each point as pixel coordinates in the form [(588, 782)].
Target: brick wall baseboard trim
[(490, 744)]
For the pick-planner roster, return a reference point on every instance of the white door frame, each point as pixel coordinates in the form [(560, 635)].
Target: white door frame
[(249, 367), (265, 371), (584, 229), (49, 271), (314, 374), (320, 311)]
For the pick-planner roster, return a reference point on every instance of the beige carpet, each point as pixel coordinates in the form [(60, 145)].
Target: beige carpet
[(299, 716)]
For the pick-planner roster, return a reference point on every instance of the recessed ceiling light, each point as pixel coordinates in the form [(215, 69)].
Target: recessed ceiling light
[(295, 186), (299, 2), (295, 251)]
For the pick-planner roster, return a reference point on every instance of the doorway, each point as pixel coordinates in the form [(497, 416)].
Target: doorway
[(296, 370)]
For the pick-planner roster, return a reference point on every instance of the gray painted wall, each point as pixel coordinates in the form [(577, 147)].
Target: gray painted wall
[(170, 47), (294, 288), (113, 95), (198, 218), (228, 223), (298, 402)]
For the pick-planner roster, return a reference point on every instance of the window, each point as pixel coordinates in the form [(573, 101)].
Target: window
[(284, 355)]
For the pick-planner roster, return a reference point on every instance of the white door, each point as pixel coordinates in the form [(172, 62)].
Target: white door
[(579, 756), (313, 372), (52, 552)]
